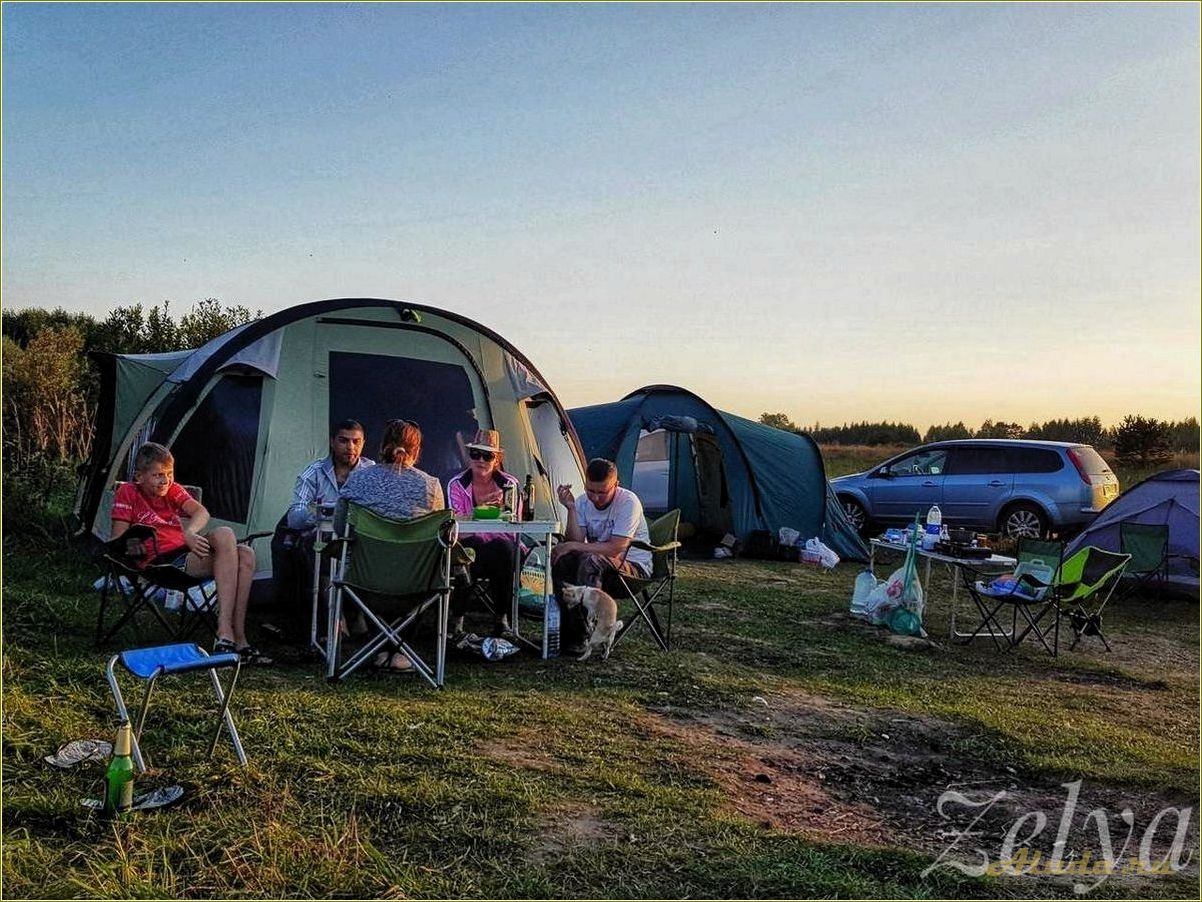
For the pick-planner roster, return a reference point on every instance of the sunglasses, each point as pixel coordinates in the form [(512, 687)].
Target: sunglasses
[(477, 454)]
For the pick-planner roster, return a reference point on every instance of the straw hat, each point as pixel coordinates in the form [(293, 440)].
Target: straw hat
[(487, 440)]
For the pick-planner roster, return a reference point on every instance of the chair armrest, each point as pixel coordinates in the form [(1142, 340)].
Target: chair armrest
[(655, 549), (252, 536)]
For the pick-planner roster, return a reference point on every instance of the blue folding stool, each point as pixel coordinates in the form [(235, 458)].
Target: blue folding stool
[(151, 663)]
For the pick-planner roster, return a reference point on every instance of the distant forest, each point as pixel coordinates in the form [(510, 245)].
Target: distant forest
[(1137, 437)]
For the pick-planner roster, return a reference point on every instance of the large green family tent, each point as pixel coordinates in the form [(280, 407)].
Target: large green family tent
[(724, 472), (246, 412)]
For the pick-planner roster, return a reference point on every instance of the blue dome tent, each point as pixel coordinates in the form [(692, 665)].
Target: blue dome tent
[(724, 472), (1169, 498)]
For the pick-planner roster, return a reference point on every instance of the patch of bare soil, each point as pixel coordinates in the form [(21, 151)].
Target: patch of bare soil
[(835, 772), (522, 751), (569, 827)]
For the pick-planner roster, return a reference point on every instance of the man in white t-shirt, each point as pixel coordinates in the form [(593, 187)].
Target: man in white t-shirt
[(602, 523)]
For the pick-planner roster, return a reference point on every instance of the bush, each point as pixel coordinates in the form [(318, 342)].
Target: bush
[(1141, 440)]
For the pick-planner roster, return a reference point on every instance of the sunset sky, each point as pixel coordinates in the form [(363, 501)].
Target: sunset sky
[(924, 213)]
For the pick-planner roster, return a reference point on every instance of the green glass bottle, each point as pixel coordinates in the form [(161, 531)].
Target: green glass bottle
[(119, 778)]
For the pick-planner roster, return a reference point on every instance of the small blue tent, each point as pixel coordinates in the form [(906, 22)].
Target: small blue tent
[(724, 472), (1169, 498)]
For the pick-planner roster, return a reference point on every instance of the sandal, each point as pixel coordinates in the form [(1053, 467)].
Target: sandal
[(225, 647), (252, 657), (399, 663)]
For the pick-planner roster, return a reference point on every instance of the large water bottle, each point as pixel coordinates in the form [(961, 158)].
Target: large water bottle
[(933, 527), (865, 583), (551, 636)]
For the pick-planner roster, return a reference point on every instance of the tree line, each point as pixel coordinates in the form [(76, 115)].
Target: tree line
[(1145, 440), (51, 383)]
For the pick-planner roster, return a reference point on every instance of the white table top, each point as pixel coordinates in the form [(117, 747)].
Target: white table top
[(994, 560), (523, 527)]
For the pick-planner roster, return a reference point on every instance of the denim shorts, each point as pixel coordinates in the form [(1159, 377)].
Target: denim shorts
[(176, 559)]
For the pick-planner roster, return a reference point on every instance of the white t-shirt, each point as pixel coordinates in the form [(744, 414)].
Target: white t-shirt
[(623, 517)]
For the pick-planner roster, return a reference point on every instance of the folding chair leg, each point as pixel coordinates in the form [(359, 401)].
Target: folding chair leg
[(225, 717), (1033, 626), (123, 713)]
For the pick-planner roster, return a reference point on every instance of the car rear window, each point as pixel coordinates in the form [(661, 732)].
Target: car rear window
[(1091, 461), (1034, 460)]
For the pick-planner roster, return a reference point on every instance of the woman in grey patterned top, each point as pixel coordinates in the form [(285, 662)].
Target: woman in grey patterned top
[(400, 490), (394, 488)]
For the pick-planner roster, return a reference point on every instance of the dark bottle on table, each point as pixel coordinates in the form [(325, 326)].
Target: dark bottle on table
[(119, 778), (528, 498)]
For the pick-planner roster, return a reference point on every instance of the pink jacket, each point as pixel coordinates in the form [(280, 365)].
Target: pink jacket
[(459, 498)]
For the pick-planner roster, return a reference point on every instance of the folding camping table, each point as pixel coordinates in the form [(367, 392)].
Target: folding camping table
[(998, 562), (545, 530)]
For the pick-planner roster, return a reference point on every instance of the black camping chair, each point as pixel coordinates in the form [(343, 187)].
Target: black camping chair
[(181, 604), (658, 588), (1028, 593)]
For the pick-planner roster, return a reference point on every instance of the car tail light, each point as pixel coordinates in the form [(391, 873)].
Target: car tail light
[(1080, 465)]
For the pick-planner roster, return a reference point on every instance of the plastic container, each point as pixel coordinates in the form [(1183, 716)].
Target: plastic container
[(934, 527), (551, 637), (864, 585)]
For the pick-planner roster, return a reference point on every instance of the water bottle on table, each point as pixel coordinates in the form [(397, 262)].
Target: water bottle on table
[(933, 527)]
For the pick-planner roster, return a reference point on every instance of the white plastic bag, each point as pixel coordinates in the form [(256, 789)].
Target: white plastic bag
[(788, 536), (826, 555), (886, 596)]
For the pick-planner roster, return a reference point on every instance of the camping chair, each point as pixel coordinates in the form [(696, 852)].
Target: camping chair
[(1029, 591), (659, 587), (394, 568), (130, 582), (1084, 585), (1148, 545), (151, 663)]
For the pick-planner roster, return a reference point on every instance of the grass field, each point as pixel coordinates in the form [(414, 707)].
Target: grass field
[(781, 750)]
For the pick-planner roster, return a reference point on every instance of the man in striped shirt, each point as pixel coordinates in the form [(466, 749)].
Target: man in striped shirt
[(321, 481)]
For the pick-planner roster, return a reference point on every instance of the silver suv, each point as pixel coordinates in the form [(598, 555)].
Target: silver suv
[(1012, 486)]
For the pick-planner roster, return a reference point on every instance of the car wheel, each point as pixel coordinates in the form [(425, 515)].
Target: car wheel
[(1023, 521), (855, 513)]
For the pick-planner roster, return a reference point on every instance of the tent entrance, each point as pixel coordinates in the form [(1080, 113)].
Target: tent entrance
[(438, 395), (684, 470)]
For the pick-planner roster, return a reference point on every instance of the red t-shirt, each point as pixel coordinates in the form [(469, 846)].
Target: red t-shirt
[(160, 514)]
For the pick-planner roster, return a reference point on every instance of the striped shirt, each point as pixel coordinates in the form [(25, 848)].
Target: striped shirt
[(316, 484)]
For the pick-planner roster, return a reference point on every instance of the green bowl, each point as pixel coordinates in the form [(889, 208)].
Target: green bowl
[(488, 512)]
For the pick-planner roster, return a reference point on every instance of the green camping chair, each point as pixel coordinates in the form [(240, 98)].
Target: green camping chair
[(658, 588), (1028, 592), (1084, 585), (1148, 545), (393, 571)]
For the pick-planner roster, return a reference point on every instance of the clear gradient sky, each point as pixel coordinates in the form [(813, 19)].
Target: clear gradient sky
[(925, 213)]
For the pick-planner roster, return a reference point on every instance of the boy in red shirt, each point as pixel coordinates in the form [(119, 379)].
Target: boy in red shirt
[(156, 500)]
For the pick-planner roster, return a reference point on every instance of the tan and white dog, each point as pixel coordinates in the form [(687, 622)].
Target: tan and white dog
[(601, 618)]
